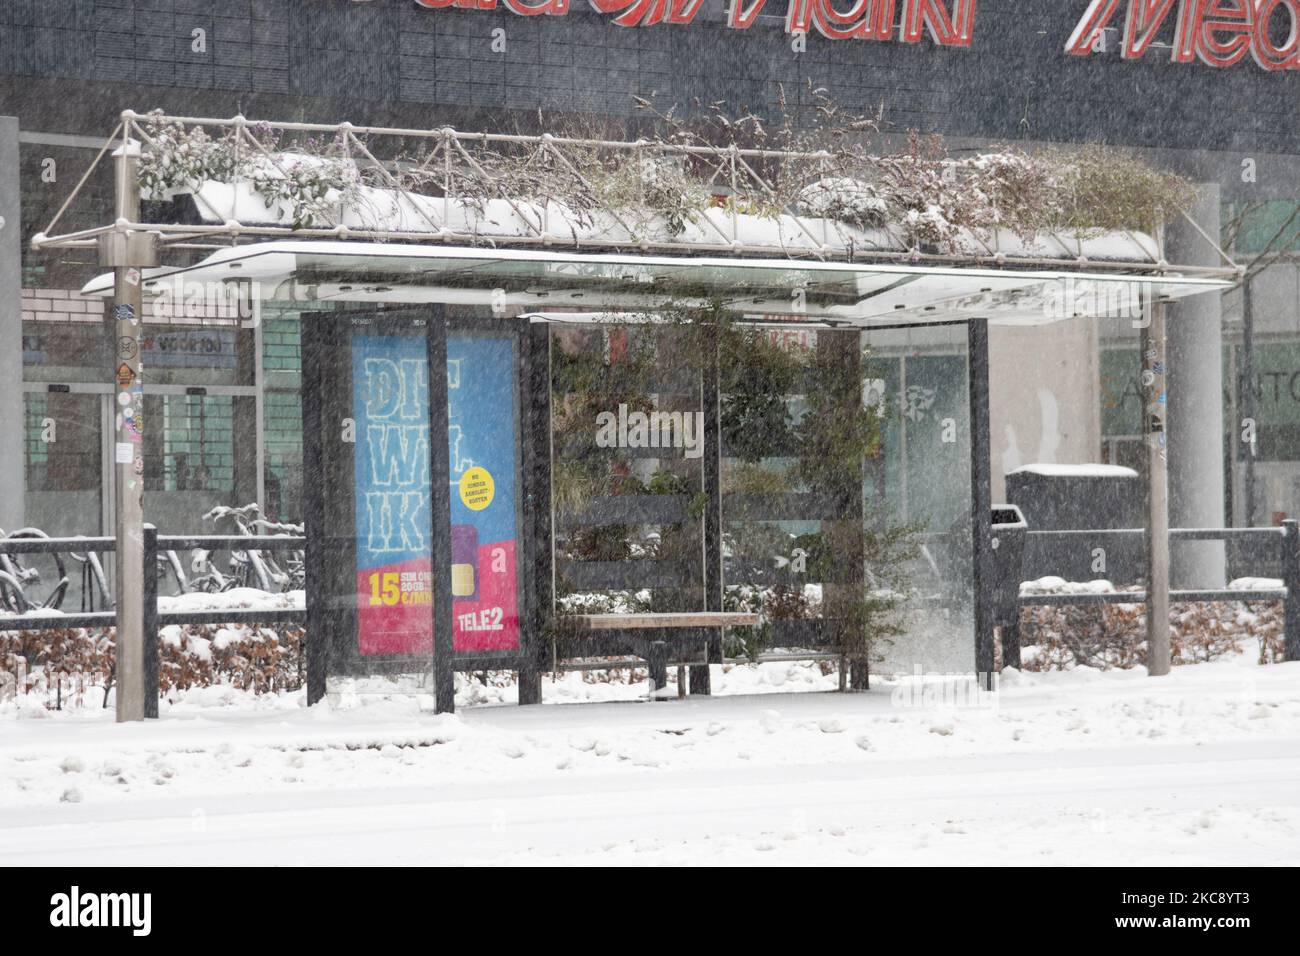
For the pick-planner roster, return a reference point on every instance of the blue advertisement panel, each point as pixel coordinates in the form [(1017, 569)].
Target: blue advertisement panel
[(483, 441), (394, 587)]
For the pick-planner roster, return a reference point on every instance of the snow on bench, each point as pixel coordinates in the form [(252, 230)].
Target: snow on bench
[(668, 619)]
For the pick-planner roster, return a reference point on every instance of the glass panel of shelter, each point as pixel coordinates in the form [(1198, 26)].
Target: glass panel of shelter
[(389, 543), (846, 500), (919, 378), (627, 478)]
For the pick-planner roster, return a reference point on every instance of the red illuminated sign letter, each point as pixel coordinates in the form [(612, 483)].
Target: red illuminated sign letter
[(1217, 32), (864, 20), (1268, 54), (645, 13), (948, 30)]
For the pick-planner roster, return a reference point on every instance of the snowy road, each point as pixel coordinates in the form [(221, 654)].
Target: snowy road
[(1200, 768), (1225, 803)]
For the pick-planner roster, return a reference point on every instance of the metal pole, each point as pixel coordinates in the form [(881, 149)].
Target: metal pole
[(712, 537), (1157, 490), (977, 347), (126, 253), (151, 662), (1246, 391), (444, 673)]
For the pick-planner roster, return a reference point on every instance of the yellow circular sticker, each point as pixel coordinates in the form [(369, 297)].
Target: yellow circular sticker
[(477, 489)]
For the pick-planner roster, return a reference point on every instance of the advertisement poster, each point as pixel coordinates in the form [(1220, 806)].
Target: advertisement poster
[(394, 583), (483, 445)]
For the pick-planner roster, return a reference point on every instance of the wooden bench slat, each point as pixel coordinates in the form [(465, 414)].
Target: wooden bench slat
[(681, 619)]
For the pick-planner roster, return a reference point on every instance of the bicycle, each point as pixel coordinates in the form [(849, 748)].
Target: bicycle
[(16, 578), (248, 567)]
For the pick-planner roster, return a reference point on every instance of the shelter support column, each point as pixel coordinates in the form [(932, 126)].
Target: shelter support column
[(712, 486), (540, 575), (977, 347), (839, 360), (444, 668), (313, 517)]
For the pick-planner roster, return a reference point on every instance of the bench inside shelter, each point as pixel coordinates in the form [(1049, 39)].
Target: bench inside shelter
[(658, 637)]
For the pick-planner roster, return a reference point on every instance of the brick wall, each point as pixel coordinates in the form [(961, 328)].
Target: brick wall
[(61, 305), (281, 344), (69, 305)]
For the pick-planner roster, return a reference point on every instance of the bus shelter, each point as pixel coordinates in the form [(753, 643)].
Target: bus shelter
[(518, 449)]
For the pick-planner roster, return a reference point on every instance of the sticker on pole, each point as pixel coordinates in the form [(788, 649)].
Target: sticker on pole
[(125, 453)]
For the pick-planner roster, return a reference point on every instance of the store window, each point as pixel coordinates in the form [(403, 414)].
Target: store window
[(65, 352), (202, 355), (198, 456), (198, 443), (283, 448), (63, 457)]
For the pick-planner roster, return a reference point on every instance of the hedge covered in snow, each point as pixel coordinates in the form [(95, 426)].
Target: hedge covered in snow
[(75, 665), (68, 664), (1108, 636)]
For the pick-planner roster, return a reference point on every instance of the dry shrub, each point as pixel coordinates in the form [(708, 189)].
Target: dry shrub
[(65, 664), (1114, 635), (248, 657), (62, 664)]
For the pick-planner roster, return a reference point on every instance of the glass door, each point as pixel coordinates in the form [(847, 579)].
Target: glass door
[(63, 453)]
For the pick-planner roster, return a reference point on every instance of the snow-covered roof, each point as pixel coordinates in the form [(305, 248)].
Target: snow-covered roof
[(378, 213)]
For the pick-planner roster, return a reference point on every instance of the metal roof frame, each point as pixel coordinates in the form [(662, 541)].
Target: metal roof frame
[(732, 169)]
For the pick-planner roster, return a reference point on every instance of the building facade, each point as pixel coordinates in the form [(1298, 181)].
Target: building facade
[(1209, 93)]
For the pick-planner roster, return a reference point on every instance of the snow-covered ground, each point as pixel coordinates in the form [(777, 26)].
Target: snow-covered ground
[(1081, 767)]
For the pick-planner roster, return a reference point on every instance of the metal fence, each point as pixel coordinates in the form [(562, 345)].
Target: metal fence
[(1280, 544), (154, 546)]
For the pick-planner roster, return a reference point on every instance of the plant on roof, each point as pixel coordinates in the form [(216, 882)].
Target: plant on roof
[(822, 161)]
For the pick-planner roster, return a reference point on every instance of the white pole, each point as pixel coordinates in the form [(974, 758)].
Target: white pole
[(1155, 407)]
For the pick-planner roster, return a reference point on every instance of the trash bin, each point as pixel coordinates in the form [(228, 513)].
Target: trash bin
[(1008, 544), (1081, 497)]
